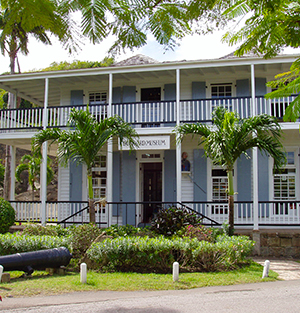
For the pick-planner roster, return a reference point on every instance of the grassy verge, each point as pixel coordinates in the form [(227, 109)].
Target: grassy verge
[(43, 284)]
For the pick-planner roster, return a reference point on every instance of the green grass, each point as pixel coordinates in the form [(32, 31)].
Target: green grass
[(41, 283)]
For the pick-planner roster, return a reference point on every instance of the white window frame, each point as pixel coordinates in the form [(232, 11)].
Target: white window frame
[(100, 186), (211, 167), (281, 209)]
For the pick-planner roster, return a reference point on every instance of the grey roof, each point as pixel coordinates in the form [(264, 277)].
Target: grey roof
[(138, 59), (246, 55)]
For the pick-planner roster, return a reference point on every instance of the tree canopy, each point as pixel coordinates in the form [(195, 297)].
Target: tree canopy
[(270, 26)]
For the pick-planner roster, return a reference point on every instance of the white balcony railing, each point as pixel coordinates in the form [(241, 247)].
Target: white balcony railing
[(162, 113)]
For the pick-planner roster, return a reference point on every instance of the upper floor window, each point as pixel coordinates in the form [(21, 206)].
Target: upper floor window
[(221, 90), (98, 97)]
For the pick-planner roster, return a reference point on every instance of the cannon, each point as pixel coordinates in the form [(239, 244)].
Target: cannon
[(36, 260)]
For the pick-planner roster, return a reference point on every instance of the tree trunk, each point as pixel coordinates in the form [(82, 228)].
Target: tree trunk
[(230, 202), (7, 178), (91, 198), (92, 211)]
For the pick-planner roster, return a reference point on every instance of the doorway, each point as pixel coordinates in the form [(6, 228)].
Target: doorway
[(151, 190)]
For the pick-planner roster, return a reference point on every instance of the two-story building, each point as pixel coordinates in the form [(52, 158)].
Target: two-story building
[(154, 97)]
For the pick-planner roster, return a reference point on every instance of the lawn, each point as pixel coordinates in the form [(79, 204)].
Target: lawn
[(41, 283)]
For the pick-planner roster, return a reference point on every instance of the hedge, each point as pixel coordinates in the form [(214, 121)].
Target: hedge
[(144, 254), (16, 243)]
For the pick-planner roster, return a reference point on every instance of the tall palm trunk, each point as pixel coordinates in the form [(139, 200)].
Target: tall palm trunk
[(91, 198), (230, 201), (7, 178)]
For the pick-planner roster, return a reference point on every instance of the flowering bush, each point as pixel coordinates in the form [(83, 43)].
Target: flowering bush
[(168, 221), (199, 232)]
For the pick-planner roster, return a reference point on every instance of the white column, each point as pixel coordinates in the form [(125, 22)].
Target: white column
[(254, 157), (12, 172), (178, 144), (43, 181), (109, 181)]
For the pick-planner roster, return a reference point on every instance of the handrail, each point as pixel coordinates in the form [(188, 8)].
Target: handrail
[(202, 215)]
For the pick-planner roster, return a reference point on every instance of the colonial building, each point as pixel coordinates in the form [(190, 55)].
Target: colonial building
[(154, 97)]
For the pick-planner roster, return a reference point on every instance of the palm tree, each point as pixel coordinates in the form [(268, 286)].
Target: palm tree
[(83, 141), (32, 165), (230, 136), (18, 21)]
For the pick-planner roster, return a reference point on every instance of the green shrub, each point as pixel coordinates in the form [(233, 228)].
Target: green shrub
[(7, 216), (144, 254), (81, 237), (226, 254), (49, 230), (17, 243), (168, 221)]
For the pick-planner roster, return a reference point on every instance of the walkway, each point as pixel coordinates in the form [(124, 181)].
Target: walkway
[(287, 269)]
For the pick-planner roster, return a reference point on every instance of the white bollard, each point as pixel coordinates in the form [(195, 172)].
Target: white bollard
[(175, 271), (1, 271), (266, 269), (83, 270)]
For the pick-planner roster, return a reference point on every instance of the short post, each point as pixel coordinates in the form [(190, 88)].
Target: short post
[(1, 272), (83, 270), (175, 271), (266, 269)]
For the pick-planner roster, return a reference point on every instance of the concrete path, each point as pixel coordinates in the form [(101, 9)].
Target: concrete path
[(287, 269)]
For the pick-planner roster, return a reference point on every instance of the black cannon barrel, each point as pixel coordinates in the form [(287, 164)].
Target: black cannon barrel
[(36, 260)]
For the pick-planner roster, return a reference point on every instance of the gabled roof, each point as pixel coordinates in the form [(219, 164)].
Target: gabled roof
[(246, 55), (138, 59)]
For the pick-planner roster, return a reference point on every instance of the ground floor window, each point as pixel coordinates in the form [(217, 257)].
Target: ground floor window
[(99, 175), (219, 190), (284, 182)]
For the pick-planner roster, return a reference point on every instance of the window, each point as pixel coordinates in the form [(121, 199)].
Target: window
[(97, 98), (99, 175), (98, 101), (151, 106), (221, 90), (219, 190), (284, 182)]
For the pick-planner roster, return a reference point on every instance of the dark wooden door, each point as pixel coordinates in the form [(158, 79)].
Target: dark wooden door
[(152, 189)]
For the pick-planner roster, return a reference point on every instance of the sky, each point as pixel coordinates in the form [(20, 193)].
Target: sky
[(190, 48)]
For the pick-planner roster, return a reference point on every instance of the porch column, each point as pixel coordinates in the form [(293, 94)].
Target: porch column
[(178, 144), (109, 181), (43, 178), (12, 172), (254, 157)]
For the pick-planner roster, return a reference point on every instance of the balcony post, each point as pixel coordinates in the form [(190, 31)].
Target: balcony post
[(254, 157), (109, 182), (43, 188), (12, 172), (178, 144)]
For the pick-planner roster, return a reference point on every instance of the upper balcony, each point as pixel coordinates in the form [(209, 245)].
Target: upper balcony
[(143, 114), (237, 84)]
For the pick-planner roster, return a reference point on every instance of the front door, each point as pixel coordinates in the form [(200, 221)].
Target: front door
[(152, 189)]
